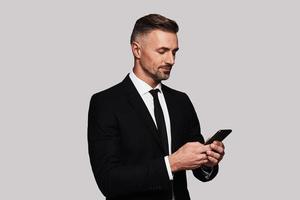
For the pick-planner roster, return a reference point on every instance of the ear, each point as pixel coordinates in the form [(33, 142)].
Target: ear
[(136, 49)]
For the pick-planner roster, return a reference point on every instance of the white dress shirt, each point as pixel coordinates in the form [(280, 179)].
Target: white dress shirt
[(143, 89)]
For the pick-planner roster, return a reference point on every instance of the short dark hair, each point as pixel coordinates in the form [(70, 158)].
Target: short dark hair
[(153, 22)]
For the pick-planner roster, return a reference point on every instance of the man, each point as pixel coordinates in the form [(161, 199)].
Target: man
[(143, 135)]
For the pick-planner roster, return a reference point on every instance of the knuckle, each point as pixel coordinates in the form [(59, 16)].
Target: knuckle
[(222, 152), (202, 156)]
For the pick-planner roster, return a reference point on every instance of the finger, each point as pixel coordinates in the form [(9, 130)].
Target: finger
[(201, 156), (218, 143), (218, 156), (217, 148), (201, 162), (212, 160), (214, 155), (197, 164), (205, 148), (194, 146), (200, 148)]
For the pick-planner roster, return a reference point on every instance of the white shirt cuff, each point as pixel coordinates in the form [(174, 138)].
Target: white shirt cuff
[(168, 167)]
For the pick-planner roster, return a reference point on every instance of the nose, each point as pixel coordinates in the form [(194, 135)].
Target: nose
[(170, 59)]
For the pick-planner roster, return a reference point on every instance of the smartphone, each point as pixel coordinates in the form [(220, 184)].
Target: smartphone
[(219, 136)]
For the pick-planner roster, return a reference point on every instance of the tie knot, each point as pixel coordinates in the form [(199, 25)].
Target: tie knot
[(154, 92)]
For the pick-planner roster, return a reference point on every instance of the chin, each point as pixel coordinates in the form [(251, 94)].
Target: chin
[(165, 77), (162, 76)]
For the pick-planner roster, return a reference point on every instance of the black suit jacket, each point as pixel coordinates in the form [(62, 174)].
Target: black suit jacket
[(125, 151)]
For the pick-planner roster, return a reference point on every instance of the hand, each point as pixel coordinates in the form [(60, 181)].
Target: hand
[(190, 156), (215, 155)]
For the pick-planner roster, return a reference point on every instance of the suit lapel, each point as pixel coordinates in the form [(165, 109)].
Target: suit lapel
[(137, 103)]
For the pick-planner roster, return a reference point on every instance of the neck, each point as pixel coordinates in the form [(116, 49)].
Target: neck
[(141, 74)]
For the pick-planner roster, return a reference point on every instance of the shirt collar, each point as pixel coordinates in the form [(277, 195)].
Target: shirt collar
[(141, 86)]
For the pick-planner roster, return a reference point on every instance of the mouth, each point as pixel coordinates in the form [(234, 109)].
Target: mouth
[(168, 69)]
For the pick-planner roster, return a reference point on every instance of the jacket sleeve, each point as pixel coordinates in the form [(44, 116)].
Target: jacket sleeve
[(113, 177), (195, 135)]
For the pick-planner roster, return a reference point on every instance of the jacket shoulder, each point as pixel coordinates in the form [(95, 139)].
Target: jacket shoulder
[(172, 91), (111, 93)]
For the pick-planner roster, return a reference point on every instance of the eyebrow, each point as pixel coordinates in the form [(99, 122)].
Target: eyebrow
[(166, 49)]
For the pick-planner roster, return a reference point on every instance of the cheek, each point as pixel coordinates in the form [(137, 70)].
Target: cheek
[(156, 60), (152, 60)]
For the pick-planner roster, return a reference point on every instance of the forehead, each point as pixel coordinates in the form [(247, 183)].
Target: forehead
[(159, 38)]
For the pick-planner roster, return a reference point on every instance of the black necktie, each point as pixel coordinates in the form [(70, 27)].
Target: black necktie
[(160, 121)]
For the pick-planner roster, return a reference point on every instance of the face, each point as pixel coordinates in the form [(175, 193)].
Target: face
[(157, 54)]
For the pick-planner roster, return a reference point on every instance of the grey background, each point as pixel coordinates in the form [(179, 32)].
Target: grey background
[(238, 61)]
